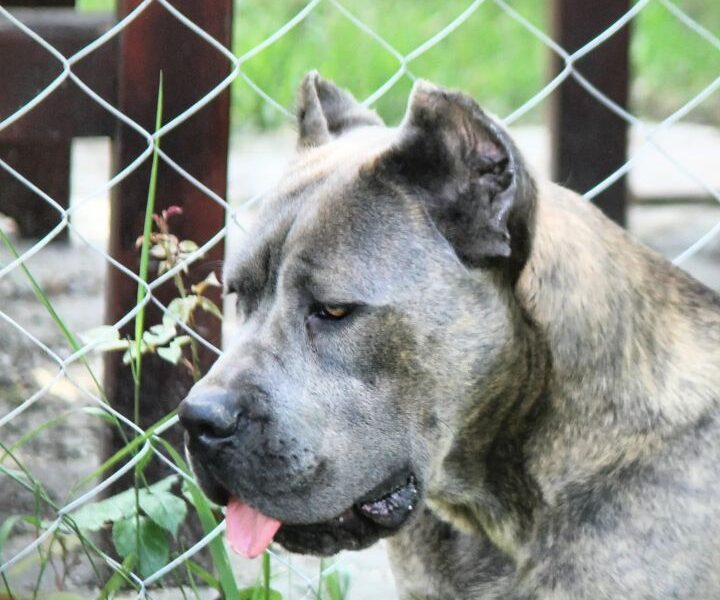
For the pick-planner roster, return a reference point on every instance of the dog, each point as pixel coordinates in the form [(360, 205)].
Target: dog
[(438, 348)]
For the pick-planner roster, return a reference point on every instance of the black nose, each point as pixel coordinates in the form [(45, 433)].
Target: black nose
[(209, 414)]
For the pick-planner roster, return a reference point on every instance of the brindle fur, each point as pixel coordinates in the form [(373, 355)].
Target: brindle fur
[(553, 383)]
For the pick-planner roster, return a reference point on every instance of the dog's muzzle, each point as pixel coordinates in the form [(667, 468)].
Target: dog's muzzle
[(230, 443), (209, 417)]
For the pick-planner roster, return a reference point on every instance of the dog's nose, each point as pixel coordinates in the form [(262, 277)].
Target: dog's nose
[(209, 414)]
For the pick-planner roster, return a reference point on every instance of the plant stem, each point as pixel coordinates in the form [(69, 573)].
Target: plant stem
[(179, 284), (266, 575), (140, 317), (145, 251), (196, 372)]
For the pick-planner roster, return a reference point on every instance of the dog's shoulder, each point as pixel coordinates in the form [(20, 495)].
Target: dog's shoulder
[(634, 342), (628, 329)]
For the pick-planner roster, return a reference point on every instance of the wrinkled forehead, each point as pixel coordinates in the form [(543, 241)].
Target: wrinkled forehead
[(331, 166), (327, 218)]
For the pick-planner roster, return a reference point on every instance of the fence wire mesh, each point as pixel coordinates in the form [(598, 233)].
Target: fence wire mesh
[(30, 541)]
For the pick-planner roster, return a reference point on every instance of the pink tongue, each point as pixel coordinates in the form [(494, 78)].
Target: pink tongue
[(249, 532)]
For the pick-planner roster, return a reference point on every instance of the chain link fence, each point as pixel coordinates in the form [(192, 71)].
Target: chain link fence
[(52, 413)]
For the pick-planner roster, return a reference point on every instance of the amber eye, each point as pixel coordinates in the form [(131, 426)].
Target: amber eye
[(327, 311)]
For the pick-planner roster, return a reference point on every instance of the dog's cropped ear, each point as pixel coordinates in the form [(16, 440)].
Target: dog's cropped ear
[(326, 111), (468, 174)]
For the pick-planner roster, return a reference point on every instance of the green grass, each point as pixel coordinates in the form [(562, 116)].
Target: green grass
[(490, 55), (672, 63)]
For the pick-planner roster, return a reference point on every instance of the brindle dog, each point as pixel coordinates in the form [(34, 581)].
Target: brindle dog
[(436, 347)]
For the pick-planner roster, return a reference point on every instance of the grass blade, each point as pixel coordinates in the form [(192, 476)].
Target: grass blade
[(208, 522), (147, 233)]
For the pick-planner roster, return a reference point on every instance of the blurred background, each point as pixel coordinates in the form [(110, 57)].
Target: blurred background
[(490, 55)]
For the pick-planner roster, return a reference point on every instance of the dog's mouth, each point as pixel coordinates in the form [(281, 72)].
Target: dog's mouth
[(378, 514)]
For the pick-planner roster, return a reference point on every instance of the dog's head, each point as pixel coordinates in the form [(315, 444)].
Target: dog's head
[(375, 312)]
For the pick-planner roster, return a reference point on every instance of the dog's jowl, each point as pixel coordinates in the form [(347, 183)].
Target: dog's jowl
[(437, 348)]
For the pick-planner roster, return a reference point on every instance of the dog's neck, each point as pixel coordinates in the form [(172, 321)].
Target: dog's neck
[(482, 483), (611, 333), (626, 330)]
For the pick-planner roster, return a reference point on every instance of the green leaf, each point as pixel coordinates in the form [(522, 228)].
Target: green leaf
[(153, 552), (17, 475), (33, 433), (187, 246), (159, 335), (257, 592), (181, 308), (93, 516), (171, 353), (165, 509), (124, 536), (131, 352), (208, 521), (158, 251), (210, 281), (98, 412), (106, 337), (143, 267), (129, 448), (34, 521), (6, 528), (337, 584), (206, 577), (209, 306)]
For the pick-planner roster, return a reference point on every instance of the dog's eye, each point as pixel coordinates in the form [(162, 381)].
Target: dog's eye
[(332, 312)]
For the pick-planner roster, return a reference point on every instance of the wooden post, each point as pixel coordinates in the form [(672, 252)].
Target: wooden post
[(47, 165), (38, 144), (589, 142), (36, 3), (156, 41)]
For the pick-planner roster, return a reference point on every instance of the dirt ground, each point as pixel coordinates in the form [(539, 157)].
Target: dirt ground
[(73, 274)]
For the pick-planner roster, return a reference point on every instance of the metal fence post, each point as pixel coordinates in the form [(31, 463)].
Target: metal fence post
[(589, 142), (191, 68)]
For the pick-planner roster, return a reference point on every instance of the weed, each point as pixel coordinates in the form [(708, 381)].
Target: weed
[(144, 518)]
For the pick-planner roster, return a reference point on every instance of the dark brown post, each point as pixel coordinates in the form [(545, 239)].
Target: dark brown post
[(46, 164), (589, 142), (38, 145), (156, 41), (34, 3)]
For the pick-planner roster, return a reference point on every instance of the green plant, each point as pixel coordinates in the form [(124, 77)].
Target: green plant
[(144, 518), (164, 339), (333, 582), (161, 513)]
